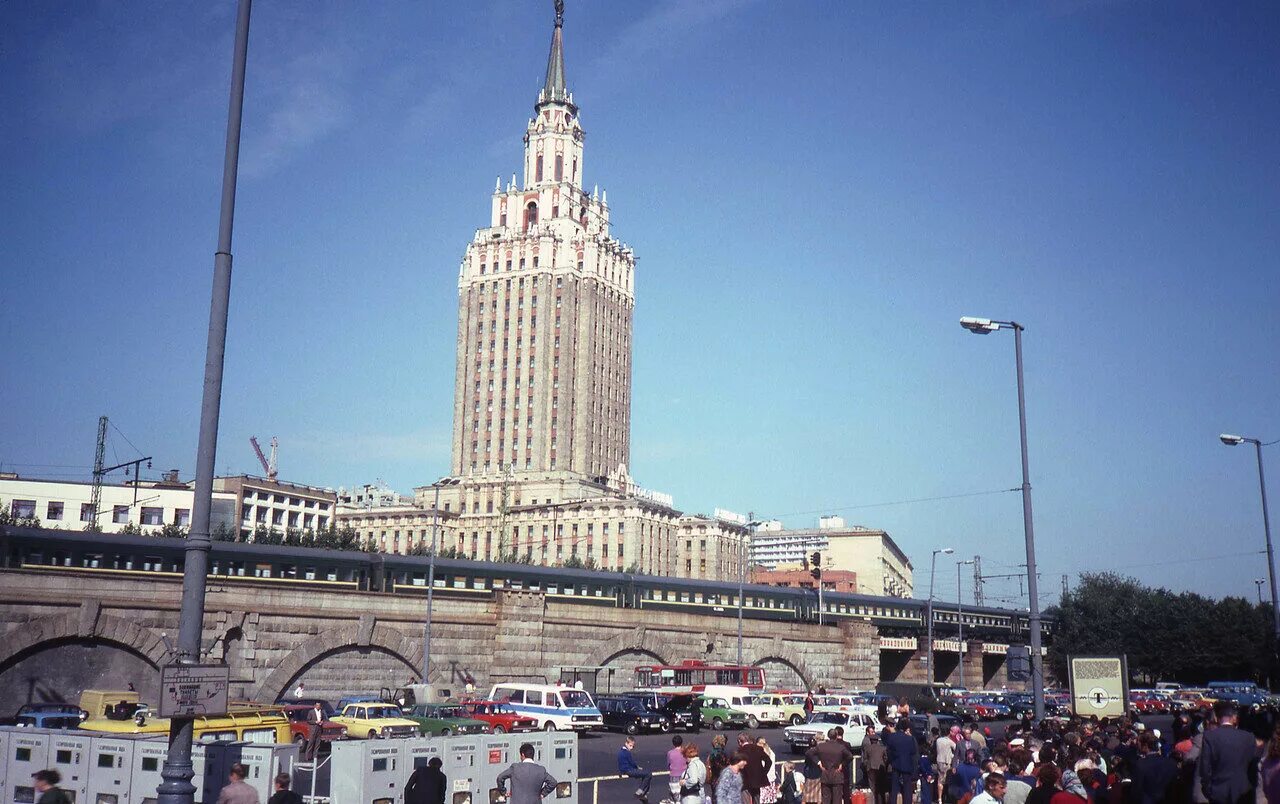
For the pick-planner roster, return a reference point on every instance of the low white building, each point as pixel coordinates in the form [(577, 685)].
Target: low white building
[(149, 505)]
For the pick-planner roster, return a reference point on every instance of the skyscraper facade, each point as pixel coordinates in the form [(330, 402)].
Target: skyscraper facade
[(545, 300)]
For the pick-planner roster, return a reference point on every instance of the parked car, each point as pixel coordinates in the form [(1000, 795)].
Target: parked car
[(350, 699), (374, 720), (500, 717), (50, 716), (682, 708), (622, 713), (855, 724), (792, 706), (920, 722), (718, 713), (757, 712), (300, 725), (325, 706), (442, 721)]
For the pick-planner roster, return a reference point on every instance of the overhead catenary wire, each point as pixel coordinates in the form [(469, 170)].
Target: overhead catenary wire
[(893, 502)]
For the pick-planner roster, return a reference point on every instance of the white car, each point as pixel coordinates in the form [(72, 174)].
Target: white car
[(757, 713), (855, 725)]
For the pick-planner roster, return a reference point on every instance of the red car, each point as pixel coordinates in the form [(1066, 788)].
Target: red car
[(500, 716), (301, 728)]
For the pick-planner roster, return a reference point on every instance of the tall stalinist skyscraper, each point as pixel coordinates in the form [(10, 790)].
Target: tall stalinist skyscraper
[(542, 396), (545, 299)]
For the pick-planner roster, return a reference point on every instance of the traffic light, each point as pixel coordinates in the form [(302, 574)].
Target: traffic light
[(816, 560)]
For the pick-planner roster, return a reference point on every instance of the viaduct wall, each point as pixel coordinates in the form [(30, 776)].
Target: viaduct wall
[(60, 634)]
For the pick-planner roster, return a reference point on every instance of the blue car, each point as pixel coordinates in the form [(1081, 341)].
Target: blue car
[(50, 716)]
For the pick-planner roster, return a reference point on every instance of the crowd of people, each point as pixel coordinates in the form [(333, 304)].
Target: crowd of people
[(1221, 756)]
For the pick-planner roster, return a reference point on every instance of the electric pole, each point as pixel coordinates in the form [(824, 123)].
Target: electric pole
[(977, 581)]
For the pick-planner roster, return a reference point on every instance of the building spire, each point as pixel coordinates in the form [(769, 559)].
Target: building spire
[(553, 89)]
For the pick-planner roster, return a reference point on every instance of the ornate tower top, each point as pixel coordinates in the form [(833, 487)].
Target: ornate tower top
[(553, 89)]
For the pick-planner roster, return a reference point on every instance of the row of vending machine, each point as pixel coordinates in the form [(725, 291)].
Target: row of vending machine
[(376, 771), (125, 768)]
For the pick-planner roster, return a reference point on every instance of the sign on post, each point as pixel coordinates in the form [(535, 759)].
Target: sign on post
[(194, 689), (1099, 685)]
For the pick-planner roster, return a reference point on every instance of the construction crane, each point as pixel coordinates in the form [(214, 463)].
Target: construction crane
[(268, 466)]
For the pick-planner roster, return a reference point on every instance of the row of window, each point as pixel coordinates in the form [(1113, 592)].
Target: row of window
[(282, 499), (55, 511)]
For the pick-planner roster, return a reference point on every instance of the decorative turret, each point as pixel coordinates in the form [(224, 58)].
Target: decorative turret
[(553, 140)]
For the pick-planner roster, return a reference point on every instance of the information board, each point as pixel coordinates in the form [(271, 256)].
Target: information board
[(1099, 685), (194, 689)]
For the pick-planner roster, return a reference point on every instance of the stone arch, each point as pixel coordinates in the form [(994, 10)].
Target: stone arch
[(86, 622), (783, 654), (626, 643), (364, 634), (629, 641)]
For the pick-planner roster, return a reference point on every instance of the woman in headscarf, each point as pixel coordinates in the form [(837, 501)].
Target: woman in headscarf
[(1072, 791)]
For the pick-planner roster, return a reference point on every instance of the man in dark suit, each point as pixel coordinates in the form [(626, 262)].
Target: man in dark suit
[(1225, 759), (904, 762), (530, 782), (426, 785), (756, 773), (1152, 773), (831, 756)]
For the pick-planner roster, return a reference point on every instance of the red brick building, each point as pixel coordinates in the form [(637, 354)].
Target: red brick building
[(832, 580)]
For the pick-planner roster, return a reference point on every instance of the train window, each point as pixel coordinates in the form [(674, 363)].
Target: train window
[(309, 573), (262, 571), (236, 568), (684, 597), (332, 575), (517, 584), (152, 564), (93, 560), (569, 590), (477, 583), (552, 588), (418, 580), (288, 571)]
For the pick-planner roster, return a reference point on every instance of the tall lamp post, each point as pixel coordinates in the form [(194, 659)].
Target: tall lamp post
[(985, 326), (1234, 441), (1258, 582), (176, 787), (960, 620), (744, 558), (431, 576), (928, 656)]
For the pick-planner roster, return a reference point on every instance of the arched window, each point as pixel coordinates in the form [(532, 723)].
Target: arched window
[(537, 172), (531, 215)]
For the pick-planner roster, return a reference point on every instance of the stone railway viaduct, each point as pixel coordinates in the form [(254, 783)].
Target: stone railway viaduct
[(60, 634)]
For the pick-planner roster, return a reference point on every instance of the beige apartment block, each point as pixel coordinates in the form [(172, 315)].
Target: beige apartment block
[(278, 505)]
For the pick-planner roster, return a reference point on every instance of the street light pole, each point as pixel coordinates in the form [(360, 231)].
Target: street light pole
[(983, 326), (744, 555), (960, 619), (1258, 582), (431, 586), (176, 787), (1234, 440), (928, 660)]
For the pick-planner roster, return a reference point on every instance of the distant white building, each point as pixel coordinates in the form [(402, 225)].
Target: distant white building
[(879, 564), (149, 505), (278, 505), (371, 495)]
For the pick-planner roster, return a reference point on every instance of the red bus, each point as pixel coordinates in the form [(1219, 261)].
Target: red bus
[(692, 675)]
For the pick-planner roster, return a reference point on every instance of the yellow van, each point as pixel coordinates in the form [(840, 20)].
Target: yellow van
[(245, 722), (115, 704)]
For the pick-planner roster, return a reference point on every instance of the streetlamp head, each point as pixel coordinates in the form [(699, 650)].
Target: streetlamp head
[(979, 326), (1231, 440), (946, 551)]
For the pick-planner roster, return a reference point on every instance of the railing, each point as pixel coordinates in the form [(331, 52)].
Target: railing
[(595, 781)]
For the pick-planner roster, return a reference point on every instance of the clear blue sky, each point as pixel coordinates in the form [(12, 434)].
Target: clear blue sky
[(816, 192)]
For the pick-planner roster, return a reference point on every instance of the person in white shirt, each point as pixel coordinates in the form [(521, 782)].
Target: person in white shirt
[(994, 790)]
